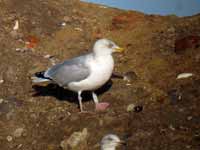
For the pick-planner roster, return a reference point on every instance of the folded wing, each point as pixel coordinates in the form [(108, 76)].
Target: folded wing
[(69, 71)]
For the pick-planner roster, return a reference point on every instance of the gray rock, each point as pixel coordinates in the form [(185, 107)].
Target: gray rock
[(18, 132), (130, 76), (1, 81), (9, 138), (130, 107), (74, 141), (1, 100)]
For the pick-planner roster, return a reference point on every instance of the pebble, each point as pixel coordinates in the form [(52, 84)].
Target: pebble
[(74, 140), (18, 132), (1, 100), (63, 24), (16, 26), (172, 127), (19, 146), (78, 29), (1, 81), (67, 19), (130, 107), (184, 75), (22, 50), (9, 138), (130, 76), (48, 56), (189, 118), (188, 146), (138, 109)]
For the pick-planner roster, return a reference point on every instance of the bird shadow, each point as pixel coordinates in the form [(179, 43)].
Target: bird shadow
[(62, 94)]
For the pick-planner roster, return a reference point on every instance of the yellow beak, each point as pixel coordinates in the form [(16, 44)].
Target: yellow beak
[(119, 49)]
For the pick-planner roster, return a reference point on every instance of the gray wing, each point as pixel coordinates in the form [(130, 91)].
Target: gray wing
[(69, 71)]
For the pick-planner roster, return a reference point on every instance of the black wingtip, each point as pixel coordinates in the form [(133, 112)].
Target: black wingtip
[(40, 74)]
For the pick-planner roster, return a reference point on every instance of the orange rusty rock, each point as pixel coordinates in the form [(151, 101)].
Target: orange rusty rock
[(125, 20), (31, 41)]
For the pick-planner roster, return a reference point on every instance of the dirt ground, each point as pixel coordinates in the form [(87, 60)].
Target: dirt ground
[(153, 110)]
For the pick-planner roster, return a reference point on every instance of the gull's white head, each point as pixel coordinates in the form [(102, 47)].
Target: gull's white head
[(105, 47), (110, 142)]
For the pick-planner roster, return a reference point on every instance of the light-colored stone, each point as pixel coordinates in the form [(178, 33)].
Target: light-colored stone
[(9, 138), (18, 132), (1, 81), (1, 100), (75, 140), (130, 107)]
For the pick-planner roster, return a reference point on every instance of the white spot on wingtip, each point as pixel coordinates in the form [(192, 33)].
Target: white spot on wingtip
[(184, 75)]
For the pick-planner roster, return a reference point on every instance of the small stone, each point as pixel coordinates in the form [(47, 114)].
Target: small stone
[(48, 56), (18, 132), (138, 109), (9, 138), (130, 107), (18, 49), (1, 81), (78, 29), (1, 100), (19, 146), (188, 146), (189, 118), (172, 127), (22, 50), (130, 76), (184, 75), (9, 115), (74, 140), (67, 19), (101, 122), (16, 26), (63, 24)]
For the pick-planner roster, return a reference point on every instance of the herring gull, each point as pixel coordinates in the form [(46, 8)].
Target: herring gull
[(84, 73), (110, 142)]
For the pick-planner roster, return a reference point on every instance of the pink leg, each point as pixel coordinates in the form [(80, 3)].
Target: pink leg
[(99, 106)]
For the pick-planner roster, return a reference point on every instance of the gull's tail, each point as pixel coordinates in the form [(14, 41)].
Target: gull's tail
[(39, 77)]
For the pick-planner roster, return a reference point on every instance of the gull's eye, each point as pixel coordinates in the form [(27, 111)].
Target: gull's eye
[(110, 45), (109, 139)]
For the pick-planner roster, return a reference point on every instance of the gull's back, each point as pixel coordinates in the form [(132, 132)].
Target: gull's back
[(75, 69)]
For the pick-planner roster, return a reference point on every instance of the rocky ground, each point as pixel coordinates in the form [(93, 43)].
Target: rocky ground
[(150, 110)]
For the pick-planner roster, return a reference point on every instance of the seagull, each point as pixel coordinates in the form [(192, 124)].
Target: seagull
[(110, 142), (84, 73)]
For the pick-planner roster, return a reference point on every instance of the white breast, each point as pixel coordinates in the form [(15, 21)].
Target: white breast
[(101, 70)]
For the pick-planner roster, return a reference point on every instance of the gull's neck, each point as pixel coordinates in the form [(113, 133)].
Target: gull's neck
[(102, 55), (101, 52)]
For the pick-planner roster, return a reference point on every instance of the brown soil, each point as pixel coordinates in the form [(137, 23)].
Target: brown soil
[(166, 114)]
